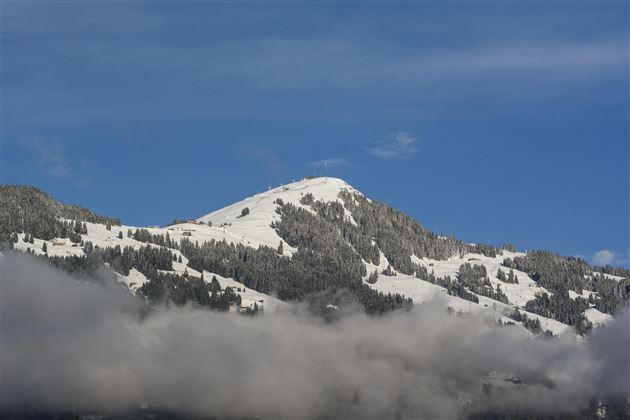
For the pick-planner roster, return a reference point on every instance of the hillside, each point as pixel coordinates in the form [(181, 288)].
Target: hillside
[(322, 242)]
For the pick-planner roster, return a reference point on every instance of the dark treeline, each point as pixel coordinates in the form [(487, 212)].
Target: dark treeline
[(295, 278), (612, 293), (532, 324), (29, 210), (561, 307), (614, 271), (453, 287), (147, 260), (509, 278), (553, 271), (475, 278), (180, 290), (559, 275), (143, 235), (598, 408), (162, 287), (381, 227)]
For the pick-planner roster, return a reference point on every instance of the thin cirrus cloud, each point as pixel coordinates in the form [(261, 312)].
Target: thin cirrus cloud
[(49, 155), (397, 146), (266, 157), (282, 63), (51, 158), (329, 163)]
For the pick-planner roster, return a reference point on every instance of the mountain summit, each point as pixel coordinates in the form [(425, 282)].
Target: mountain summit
[(251, 219)]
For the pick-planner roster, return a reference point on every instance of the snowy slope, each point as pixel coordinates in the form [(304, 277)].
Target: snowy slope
[(248, 296), (421, 291), (255, 228), (134, 280), (597, 317), (518, 294)]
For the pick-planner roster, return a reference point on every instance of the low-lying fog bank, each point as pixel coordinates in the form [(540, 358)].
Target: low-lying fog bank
[(69, 345)]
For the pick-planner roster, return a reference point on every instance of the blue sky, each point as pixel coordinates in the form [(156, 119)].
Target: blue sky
[(494, 122)]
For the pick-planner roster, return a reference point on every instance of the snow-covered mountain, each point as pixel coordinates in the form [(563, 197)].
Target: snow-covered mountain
[(255, 229), (423, 266)]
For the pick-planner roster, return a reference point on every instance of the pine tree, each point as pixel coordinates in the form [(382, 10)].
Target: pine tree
[(363, 270), (389, 271), (280, 249), (120, 234), (215, 286), (108, 226), (373, 277), (44, 248)]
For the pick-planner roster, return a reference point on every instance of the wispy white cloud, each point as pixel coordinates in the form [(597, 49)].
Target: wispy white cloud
[(400, 145), (266, 156), (608, 257), (603, 257), (329, 163), (50, 156)]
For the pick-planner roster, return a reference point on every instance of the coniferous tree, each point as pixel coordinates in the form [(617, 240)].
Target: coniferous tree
[(389, 271), (214, 285), (373, 278)]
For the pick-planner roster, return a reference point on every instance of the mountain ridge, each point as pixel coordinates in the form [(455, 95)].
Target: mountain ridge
[(322, 235)]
